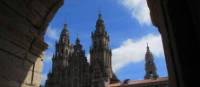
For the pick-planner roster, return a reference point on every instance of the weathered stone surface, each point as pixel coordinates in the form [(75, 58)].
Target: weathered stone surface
[(36, 12), (22, 26), (70, 67)]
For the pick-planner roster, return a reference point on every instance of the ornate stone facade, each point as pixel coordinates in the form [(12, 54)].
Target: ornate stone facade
[(60, 59), (70, 67), (78, 68), (100, 53)]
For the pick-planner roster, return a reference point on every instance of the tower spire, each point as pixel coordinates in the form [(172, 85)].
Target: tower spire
[(77, 40), (65, 30), (64, 36), (100, 15), (150, 66), (65, 22), (100, 27), (148, 50)]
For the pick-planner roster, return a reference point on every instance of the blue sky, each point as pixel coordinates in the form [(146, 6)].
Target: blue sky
[(128, 24)]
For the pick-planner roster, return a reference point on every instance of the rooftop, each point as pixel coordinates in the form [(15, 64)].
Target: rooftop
[(140, 82)]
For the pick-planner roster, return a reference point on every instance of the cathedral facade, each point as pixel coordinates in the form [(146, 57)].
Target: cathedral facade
[(70, 67)]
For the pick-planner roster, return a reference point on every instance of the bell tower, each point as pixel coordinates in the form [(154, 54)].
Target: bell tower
[(62, 51), (150, 66), (100, 54), (60, 59)]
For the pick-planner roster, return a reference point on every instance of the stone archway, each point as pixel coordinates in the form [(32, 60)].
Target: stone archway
[(22, 27), (23, 24), (178, 23)]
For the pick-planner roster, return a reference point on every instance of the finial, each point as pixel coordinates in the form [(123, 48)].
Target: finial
[(99, 15), (99, 10), (65, 27), (65, 22), (148, 47), (77, 39), (77, 36)]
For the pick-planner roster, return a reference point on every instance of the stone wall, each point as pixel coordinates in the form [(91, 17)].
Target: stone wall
[(178, 22), (22, 27)]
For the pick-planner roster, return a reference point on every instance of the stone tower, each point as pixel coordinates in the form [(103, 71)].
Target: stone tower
[(100, 56), (60, 59), (69, 64), (150, 67), (77, 73)]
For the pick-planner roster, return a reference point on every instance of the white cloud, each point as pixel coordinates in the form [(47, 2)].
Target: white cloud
[(134, 51), (52, 33), (138, 10)]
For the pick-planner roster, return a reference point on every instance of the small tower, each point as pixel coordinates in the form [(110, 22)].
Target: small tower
[(150, 67)]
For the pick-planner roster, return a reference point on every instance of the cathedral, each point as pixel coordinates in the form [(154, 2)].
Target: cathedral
[(70, 67), (24, 24)]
